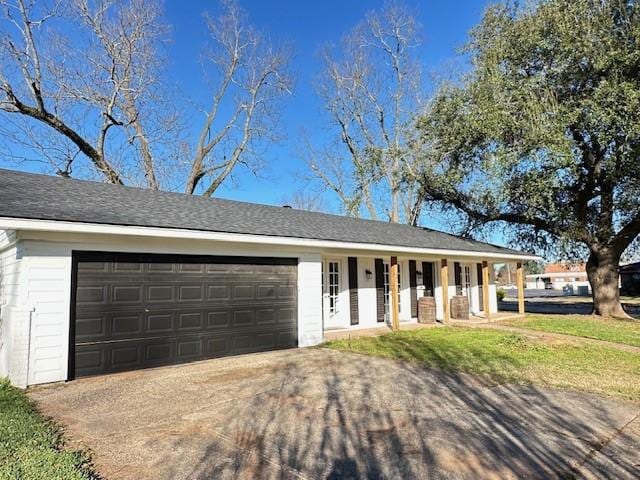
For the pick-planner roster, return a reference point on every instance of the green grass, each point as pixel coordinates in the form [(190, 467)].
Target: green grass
[(506, 357), (30, 446), (611, 330)]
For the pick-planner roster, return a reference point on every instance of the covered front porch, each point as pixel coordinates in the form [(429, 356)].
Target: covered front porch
[(378, 293)]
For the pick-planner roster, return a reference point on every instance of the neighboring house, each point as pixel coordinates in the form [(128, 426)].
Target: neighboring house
[(566, 276), (630, 279), (98, 278)]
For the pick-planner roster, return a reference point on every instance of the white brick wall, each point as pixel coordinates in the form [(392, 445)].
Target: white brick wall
[(309, 300), (367, 311), (14, 313), (48, 292)]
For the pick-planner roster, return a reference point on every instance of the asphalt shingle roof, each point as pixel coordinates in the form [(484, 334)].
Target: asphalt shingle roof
[(43, 197)]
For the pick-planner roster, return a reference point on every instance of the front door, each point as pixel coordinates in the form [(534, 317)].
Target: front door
[(466, 281), (331, 305)]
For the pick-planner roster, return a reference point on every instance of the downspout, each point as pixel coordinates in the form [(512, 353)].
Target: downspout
[(30, 311)]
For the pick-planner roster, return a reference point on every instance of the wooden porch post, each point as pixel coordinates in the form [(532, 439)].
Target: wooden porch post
[(520, 284), (485, 289), (393, 287), (444, 282)]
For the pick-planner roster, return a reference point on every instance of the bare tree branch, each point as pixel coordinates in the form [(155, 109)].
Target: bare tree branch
[(249, 72), (371, 92)]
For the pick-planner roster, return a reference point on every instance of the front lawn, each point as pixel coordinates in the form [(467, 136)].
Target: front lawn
[(507, 357), (611, 330), (30, 447)]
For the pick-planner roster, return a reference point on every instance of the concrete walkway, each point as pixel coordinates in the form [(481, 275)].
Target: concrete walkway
[(319, 413), (562, 336)]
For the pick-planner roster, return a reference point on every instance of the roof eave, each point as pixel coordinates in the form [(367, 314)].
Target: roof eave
[(177, 233)]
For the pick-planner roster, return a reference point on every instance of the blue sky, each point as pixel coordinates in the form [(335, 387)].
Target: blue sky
[(307, 25)]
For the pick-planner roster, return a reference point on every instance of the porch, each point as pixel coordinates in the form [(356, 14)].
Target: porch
[(371, 295)]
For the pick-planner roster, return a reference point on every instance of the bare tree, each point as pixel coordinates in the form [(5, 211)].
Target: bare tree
[(250, 75), (86, 86), (371, 92), (84, 79)]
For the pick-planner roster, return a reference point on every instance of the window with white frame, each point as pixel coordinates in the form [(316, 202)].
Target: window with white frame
[(333, 283), (387, 289)]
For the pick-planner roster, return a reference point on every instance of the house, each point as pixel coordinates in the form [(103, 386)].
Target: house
[(630, 279), (98, 278), (566, 276)]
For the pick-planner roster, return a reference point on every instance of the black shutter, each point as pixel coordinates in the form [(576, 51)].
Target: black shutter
[(457, 271), (353, 290), (480, 285), (412, 287), (427, 279), (379, 290)]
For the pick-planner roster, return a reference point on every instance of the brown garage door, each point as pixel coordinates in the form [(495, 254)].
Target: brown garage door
[(132, 311)]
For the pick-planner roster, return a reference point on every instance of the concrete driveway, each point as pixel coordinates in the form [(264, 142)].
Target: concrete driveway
[(315, 413)]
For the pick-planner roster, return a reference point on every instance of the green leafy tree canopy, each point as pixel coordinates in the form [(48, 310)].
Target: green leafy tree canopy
[(543, 133)]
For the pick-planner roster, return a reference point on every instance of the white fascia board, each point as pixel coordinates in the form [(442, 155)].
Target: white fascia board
[(108, 229)]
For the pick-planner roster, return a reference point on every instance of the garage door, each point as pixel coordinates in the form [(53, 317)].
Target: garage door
[(132, 311)]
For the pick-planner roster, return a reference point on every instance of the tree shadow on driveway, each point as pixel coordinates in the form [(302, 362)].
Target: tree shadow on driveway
[(352, 416), (317, 413)]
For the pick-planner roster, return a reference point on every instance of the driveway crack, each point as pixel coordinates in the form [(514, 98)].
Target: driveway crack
[(601, 445)]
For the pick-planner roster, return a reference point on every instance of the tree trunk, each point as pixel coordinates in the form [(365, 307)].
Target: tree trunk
[(602, 270)]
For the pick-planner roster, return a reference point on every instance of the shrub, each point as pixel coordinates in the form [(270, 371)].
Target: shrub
[(501, 293)]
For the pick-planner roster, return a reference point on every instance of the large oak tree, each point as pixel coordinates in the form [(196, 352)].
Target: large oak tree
[(543, 133)]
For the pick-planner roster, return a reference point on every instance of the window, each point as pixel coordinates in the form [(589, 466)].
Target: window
[(334, 286), (467, 281), (387, 289)]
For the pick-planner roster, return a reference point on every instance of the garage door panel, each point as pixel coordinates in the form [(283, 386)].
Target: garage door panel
[(131, 293), (89, 359), (191, 268), (127, 325), (218, 292), (159, 352), (160, 293), (127, 267), (288, 339), (96, 267), (160, 268), (142, 310), (266, 316), (125, 356), (189, 321), (218, 319), (90, 327), (159, 323), (189, 348), (190, 293), (91, 294), (286, 315)]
